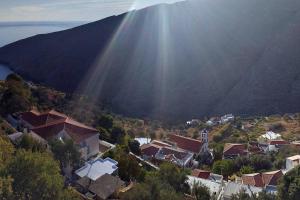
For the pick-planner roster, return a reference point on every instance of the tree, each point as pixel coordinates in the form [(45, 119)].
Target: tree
[(218, 152), (289, 186), (117, 135), (200, 191), (242, 195), (151, 189), (173, 176), (134, 147), (260, 162), (224, 167), (205, 158), (66, 153), (105, 121), (246, 170), (6, 191), (129, 168), (35, 176), (6, 151), (29, 143), (104, 134), (16, 97), (70, 194)]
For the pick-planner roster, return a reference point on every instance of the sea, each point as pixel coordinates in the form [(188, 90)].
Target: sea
[(14, 31)]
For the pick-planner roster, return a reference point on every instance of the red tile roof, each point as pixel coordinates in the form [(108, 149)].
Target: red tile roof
[(278, 142), (201, 173), (271, 178), (179, 154), (36, 118), (49, 124), (253, 179), (234, 149), (186, 143), (149, 149), (255, 149), (161, 144), (264, 179)]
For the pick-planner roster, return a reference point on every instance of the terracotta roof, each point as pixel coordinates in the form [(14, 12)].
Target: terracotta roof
[(271, 178), (255, 149), (201, 173), (188, 144), (253, 179), (234, 149), (49, 124), (264, 179), (171, 151), (150, 149), (36, 118), (160, 143), (278, 142)]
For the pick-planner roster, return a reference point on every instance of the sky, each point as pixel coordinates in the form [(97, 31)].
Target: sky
[(68, 10)]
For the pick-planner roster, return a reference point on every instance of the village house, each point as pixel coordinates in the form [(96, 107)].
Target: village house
[(176, 156), (54, 125), (189, 144), (262, 180), (193, 122), (275, 145), (203, 174), (292, 162), (214, 187), (177, 149), (269, 135), (164, 152), (234, 150), (227, 118), (94, 169), (233, 188), (105, 187)]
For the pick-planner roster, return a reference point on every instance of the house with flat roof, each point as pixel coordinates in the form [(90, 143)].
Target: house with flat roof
[(94, 169), (54, 125)]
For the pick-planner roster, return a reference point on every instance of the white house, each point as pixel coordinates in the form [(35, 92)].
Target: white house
[(96, 168), (269, 135), (292, 162), (213, 186), (227, 118)]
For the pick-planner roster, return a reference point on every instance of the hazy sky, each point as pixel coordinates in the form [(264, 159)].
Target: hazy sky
[(68, 10)]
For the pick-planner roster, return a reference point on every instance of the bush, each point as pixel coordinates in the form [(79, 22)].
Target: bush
[(217, 138)]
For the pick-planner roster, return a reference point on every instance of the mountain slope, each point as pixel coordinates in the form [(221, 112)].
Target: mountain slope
[(179, 61)]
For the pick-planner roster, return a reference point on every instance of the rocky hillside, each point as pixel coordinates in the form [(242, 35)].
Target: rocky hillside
[(180, 61)]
